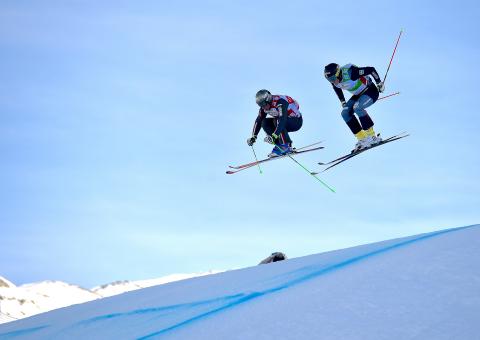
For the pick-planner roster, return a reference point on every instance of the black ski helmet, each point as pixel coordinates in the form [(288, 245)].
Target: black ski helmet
[(263, 97), (332, 72)]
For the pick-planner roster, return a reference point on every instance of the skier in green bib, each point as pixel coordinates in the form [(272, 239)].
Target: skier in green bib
[(358, 82)]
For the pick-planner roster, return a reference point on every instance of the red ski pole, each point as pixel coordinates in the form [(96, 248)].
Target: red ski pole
[(390, 95), (391, 59)]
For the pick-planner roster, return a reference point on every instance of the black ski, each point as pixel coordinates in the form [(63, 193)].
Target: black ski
[(342, 159)]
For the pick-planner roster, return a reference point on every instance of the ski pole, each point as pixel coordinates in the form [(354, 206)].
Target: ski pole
[(391, 59), (390, 95), (309, 172), (256, 159)]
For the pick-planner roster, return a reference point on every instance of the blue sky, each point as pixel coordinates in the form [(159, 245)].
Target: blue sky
[(118, 121)]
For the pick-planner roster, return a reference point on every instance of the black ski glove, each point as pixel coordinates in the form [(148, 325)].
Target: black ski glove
[(251, 140)]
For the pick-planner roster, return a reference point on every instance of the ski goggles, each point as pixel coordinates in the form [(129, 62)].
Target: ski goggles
[(331, 78), (263, 103)]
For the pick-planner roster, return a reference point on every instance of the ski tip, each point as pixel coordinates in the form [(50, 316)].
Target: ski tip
[(320, 163), (228, 172)]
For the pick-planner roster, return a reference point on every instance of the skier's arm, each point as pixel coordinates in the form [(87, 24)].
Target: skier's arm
[(357, 72), (258, 122), (339, 93), (283, 115)]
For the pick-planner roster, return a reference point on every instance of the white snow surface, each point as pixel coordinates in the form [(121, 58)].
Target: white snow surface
[(35, 298), (420, 287)]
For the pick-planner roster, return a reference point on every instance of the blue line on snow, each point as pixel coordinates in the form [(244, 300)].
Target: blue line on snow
[(160, 309), (21, 332), (302, 279)]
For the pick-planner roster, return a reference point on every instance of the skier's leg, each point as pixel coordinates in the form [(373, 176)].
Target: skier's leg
[(359, 108), (269, 125), (367, 99), (349, 117), (293, 124)]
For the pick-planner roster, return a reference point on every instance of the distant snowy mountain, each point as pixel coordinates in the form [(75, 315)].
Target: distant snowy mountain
[(4, 283), (415, 288), (30, 299), (19, 302), (126, 286)]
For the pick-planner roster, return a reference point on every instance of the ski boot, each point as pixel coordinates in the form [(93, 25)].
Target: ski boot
[(372, 138), (280, 150), (363, 143)]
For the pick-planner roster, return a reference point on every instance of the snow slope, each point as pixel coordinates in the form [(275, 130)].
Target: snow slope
[(420, 287), (34, 298)]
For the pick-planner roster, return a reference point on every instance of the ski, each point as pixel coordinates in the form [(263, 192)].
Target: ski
[(263, 160), (252, 164), (342, 159), (353, 152)]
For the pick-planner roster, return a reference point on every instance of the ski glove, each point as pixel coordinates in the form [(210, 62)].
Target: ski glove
[(251, 140), (381, 87), (271, 139), (344, 103)]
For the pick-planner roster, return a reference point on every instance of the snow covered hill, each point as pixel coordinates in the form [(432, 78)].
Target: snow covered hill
[(419, 287), (30, 299)]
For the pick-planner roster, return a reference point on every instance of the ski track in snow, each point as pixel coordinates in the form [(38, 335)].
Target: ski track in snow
[(188, 313)]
